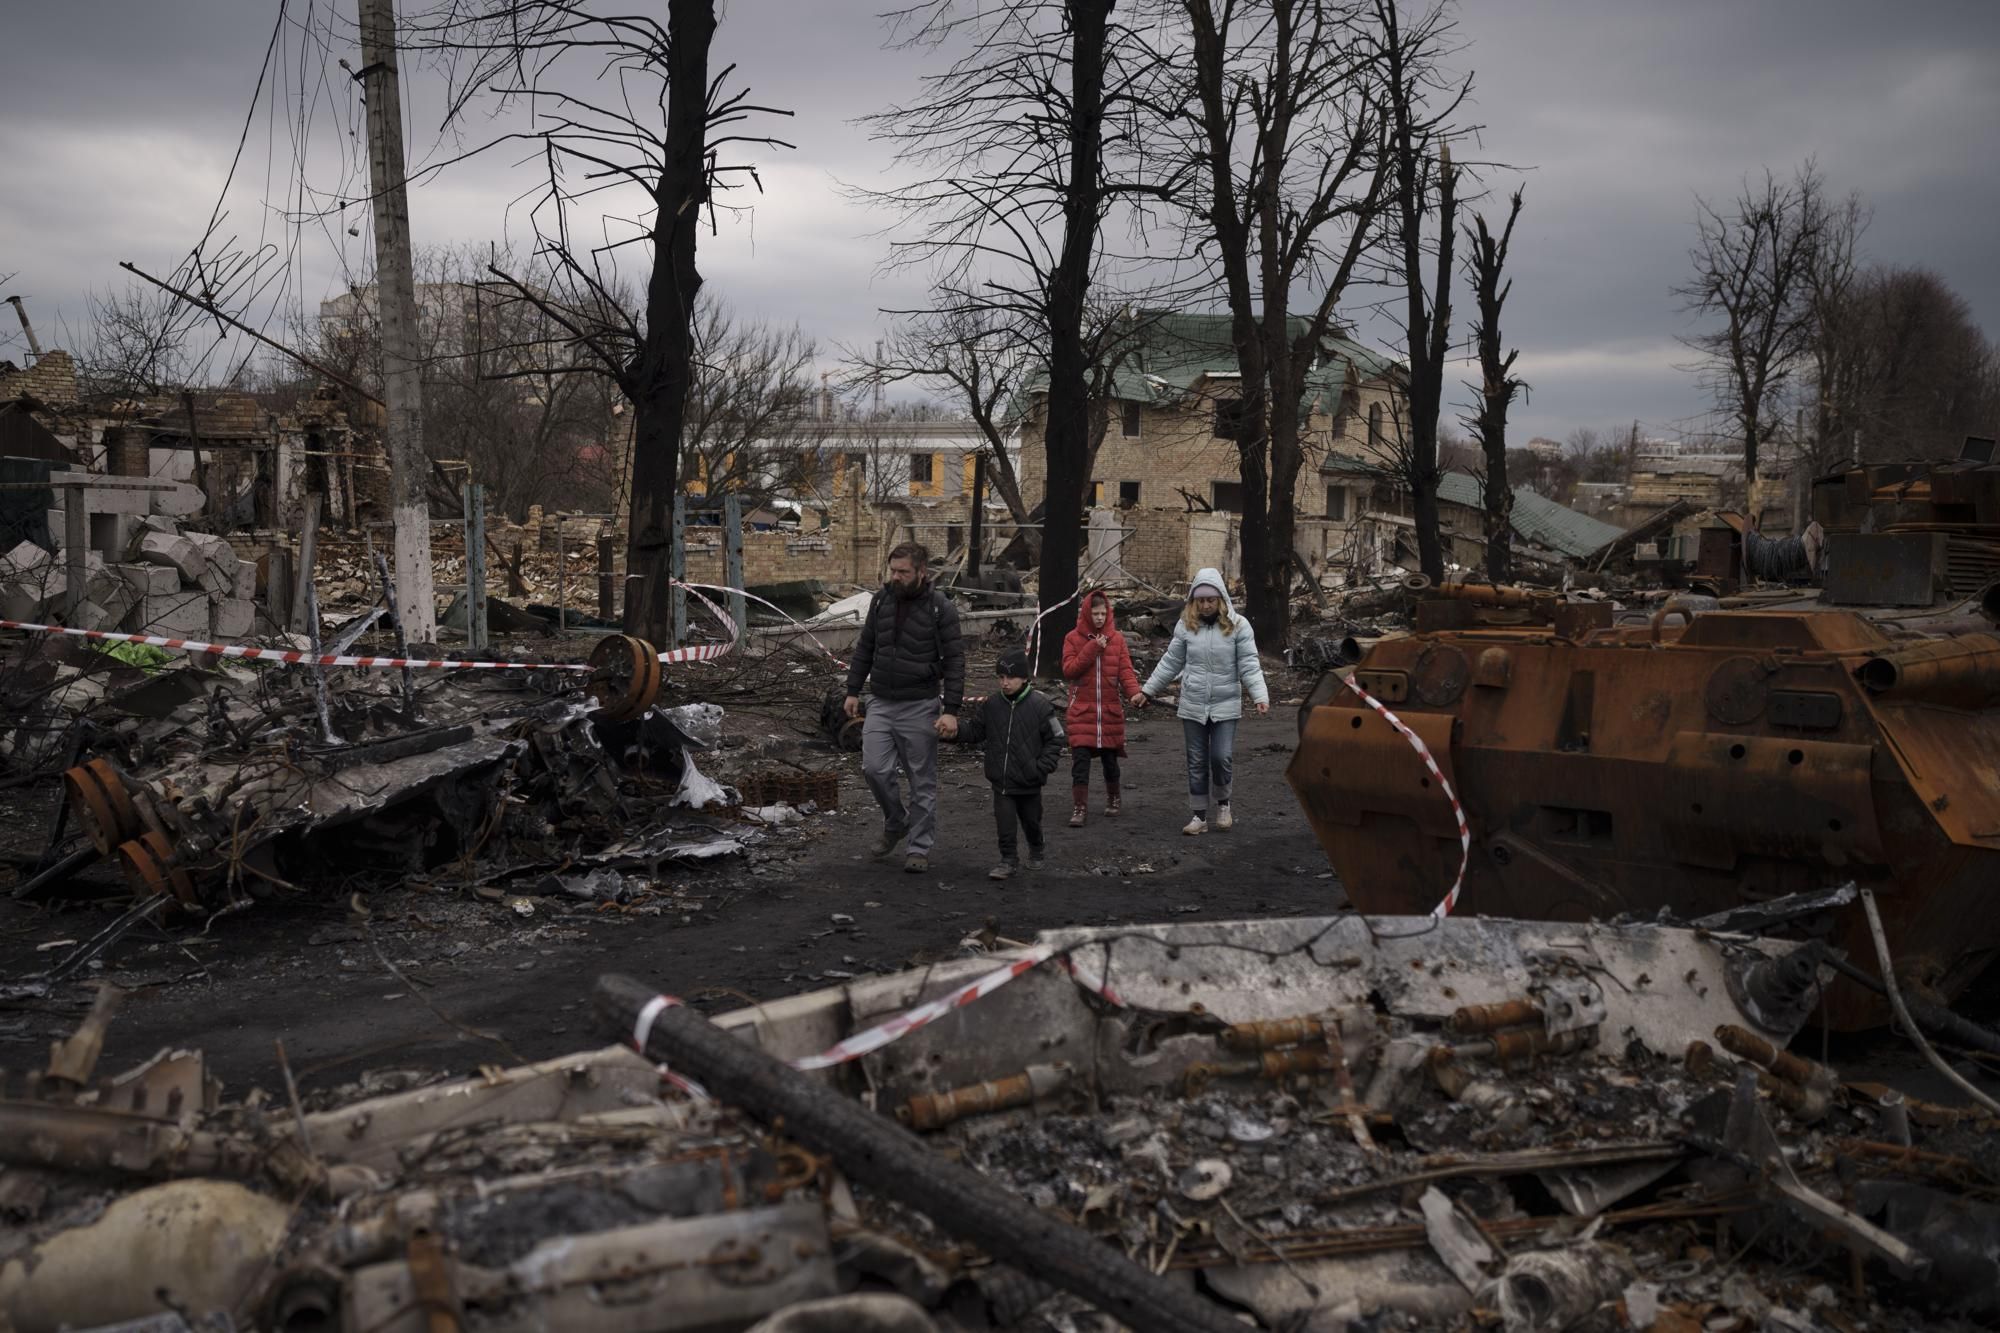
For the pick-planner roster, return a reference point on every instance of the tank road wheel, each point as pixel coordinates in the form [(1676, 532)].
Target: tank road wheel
[(98, 793), (624, 676), (149, 866)]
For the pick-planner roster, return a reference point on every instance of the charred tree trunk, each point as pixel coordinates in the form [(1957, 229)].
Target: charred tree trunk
[(1066, 442), (1497, 385), (1427, 315), (657, 382)]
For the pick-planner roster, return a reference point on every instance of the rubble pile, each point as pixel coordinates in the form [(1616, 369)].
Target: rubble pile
[(181, 585), (220, 787), (1305, 1123)]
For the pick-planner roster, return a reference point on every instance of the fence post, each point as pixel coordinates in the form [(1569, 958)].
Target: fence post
[(732, 560)]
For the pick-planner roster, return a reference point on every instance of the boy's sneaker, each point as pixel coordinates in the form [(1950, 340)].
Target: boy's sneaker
[(1005, 870), (1035, 859), (1195, 826), (885, 844), (916, 864), (1223, 819)]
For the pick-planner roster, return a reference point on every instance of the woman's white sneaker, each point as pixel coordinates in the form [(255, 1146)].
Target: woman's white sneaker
[(1223, 819), (1195, 826)]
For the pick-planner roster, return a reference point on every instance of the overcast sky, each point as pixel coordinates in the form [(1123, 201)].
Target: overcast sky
[(118, 120)]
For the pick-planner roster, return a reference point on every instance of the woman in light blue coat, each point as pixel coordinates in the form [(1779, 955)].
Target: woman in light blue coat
[(1214, 654)]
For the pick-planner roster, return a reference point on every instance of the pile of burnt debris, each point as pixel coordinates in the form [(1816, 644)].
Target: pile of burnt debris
[(211, 786), (1286, 1124)]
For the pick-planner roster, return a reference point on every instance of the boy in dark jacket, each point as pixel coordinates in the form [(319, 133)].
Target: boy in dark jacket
[(1023, 737)]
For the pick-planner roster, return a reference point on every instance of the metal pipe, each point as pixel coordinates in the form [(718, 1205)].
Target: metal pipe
[(21, 313), (1909, 1024), (60, 871), (1963, 672)]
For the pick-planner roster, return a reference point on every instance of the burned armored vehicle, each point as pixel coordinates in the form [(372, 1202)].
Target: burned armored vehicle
[(1693, 759)]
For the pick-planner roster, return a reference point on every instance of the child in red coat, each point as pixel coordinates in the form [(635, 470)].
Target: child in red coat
[(1098, 667)]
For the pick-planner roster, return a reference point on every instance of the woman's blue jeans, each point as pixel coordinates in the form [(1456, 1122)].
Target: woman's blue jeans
[(1211, 754)]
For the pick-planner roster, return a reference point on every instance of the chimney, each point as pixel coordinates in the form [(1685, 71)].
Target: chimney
[(825, 397), (21, 311)]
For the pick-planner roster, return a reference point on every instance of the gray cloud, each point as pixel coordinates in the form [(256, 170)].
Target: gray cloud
[(118, 119)]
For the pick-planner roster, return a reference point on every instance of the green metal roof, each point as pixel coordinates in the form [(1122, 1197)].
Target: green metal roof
[(1536, 517), (1173, 353)]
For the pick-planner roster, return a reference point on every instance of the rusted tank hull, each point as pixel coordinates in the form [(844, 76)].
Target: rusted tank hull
[(1640, 769)]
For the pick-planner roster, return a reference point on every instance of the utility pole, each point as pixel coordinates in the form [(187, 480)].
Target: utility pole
[(396, 297)]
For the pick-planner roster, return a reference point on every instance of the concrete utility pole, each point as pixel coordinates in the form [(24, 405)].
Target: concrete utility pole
[(396, 298)]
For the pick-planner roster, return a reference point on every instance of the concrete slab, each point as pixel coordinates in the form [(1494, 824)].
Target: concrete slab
[(179, 615), (159, 548), (24, 560), (232, 619), (32, 599), (149, 580), (246, 580)]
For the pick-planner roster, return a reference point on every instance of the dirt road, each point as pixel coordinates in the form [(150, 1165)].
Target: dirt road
[(404, 976)]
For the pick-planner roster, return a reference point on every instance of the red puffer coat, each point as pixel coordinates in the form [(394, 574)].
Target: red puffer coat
[(1100, 680)]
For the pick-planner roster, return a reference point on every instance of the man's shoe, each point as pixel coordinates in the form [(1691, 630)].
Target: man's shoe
[(1034, 860), (1195, 826), (917, 863), (1223, 819), (885, 844), (1005, 870)]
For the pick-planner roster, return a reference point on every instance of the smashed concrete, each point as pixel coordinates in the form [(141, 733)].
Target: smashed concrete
[(1306, 1122)]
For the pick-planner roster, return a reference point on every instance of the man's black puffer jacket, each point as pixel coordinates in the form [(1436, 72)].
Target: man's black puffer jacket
[(918, 655)]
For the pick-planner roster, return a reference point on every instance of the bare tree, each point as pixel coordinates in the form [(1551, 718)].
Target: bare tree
[(1486, 264), (1425, 185), (971, 360), (1023, 140), (1903, 369), (753, 425), (661, 132), (1288, 152), (506, 389), (1753, 265)]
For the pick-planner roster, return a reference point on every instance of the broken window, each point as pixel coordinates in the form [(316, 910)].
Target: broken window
[(1375, 425), (1336, 503), (1228, 417), (1128, 420), (1228, 496), (923, 468), (1128, 494)]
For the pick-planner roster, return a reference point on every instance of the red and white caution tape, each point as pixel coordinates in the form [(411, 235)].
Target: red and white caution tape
[(706, 652), (292, 655), (882, 1034), (1450, 901)]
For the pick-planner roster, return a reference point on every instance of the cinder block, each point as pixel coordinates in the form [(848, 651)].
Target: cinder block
[(111, 534), (159, 548), (149, 580), (25, 560), (232, 619), (176, 615), (30, 599)]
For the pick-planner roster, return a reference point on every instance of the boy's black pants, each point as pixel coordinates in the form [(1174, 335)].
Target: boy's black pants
[(1018, 810)]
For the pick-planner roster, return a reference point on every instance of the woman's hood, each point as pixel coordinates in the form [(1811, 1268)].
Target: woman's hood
[(1214, 578), (1083, 613)]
